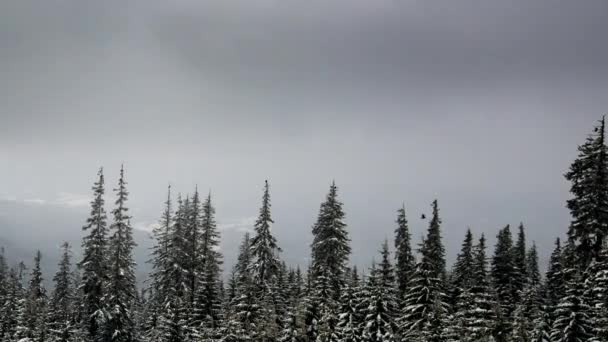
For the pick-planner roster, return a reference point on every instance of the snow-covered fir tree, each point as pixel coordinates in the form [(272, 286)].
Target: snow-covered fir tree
[(475, 317), (173, 316), (207, 308), (331, 244), (381, 301), (161, 263), (244, 311), (426, 301), (589, 205), (61, 305), (264, 248), (94, 264), (352, 310), (462, 271), (519, 260), (505, 279), (405, 261), (13, 303), (596, 292), (121, 292), (32, 317), (573, 314)]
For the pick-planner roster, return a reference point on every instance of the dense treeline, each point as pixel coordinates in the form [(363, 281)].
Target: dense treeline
[(408, 295)]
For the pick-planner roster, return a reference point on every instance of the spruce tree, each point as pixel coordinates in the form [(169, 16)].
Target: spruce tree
[(426, 301), (381, 302), (532, 270), (462, 272), (330, 246), (264, 248), (596, 291), (519, 259), (32, 320), (61, 315), (504, 273), (161, 263), (350, 314), (572, 315), (208, 304), (13, 302), (174, 316), (405, 261), (476, 316), (245, 309), (94, 264), (589, 205), (121, 286), (554, 283)]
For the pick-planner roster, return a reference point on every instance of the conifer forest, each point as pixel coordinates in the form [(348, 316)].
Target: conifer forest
[(491, 293)]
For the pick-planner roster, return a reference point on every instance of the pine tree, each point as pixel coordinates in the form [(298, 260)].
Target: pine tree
[(94, 264), (174, 316), (32, 320), (330, 246), (61, 318), (596, 291), (519, 260), (554, 284), (161, 270), (406, 263), (350, 315), (264, 248), (426, 301), (381, 302), (532, 270), (208, 304), (245, 308), (572, 316), (14, 299), (120, 297), (476, 316), (504, 275), (589, 206), (463, 271), (4, 270)]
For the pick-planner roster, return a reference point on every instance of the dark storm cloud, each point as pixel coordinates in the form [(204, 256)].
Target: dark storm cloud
[(481, 104)]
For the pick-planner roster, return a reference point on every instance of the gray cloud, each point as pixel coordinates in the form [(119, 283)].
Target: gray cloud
[(479, 104)]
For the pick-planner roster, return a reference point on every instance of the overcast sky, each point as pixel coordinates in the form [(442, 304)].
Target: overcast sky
[(480, 104)]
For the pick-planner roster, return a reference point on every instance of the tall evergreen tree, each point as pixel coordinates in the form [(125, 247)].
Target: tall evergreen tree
[(406, 263), (174, 316), (426, 302), (596, 291), (61, 315), (121, 285), (532, 270), (350, 313), (208, 304), (589, 205), (381, 302), (94, 264), (13, 302), (264, 248), (519, 259), (476, 316), (330, 246), (572, 316), (554, 283), (244, 313), (161, 263), (504, 273), (463, 271), (32, 320)]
